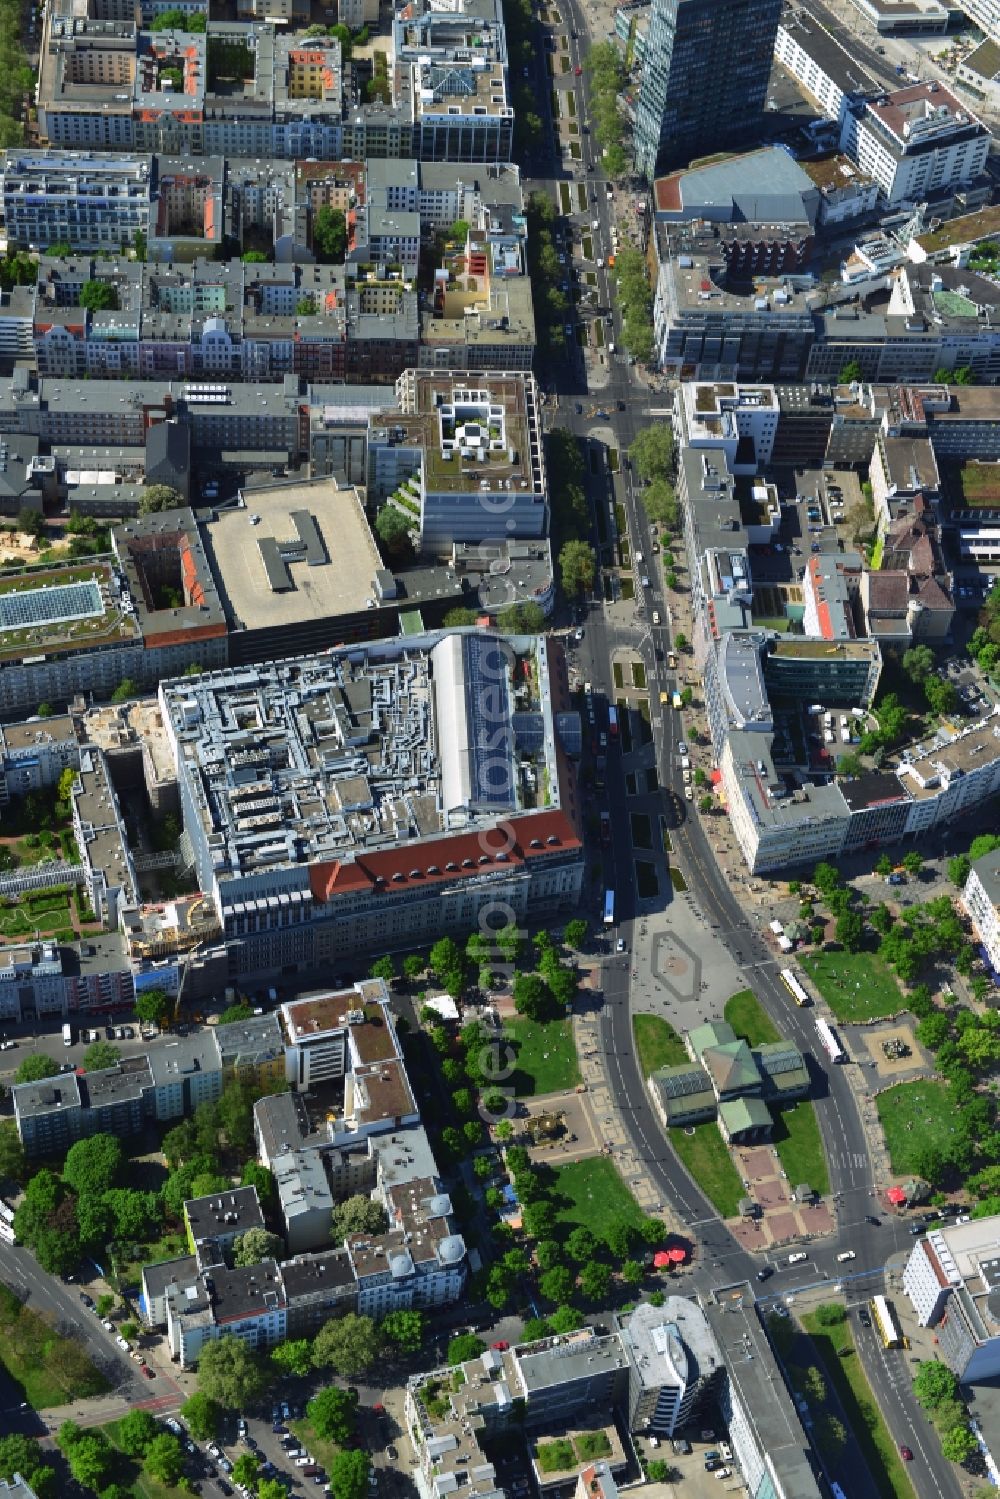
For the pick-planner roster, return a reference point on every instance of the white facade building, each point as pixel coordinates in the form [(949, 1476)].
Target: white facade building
[(916, 142), (981, 898)]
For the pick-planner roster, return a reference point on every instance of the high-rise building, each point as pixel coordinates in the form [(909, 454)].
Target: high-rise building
[(704, 80)]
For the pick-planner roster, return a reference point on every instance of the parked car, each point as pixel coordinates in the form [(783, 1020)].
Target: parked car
[(149, 1373), (765, 1272), (905, 1453)]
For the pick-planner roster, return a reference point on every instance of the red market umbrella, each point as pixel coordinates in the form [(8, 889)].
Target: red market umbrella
[(677, 1256), (896, 1196), (661, 1260)]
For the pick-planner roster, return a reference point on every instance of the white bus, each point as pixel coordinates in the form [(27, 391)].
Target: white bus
[(6, 1213), (828, 1040), (7, 1235), (67, 1034), (793, 986)]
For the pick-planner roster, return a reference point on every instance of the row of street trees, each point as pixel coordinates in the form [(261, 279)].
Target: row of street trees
[(607, 79)]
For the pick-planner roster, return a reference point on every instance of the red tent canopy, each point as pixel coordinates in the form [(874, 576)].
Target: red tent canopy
[(661, 1259), (677, 1256), (896, 1196)]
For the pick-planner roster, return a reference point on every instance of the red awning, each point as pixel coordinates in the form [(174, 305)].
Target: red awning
[(716, 777)]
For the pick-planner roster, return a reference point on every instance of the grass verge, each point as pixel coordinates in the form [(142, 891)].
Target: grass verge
[(880, 1452), (657, 1043), (707, 1159), (800, 1146), (748, 1018)]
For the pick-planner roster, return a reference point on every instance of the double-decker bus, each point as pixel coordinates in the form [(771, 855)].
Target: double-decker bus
[(885, 1320), (793, 986), (828, 1040), (609, 908)]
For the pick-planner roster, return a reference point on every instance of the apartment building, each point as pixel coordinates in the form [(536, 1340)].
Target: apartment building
[(65, 979), (827, 72), (951, 1278), (86, 201), (981, 899), (915, 142)]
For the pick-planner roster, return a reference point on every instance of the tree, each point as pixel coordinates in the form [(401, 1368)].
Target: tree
[(256, 1245), (293, 1357), (30, 522), (652, 451), (577, 568), (92, 1166), (918, 663), (941, 695), (13, 1164), (329, 235), (883, 865), (831, 1434), (933, 1030), (383, 968), (230, 1373), (464, 1347), (621, 1238), (413, 966), (581, 1244), (595, 1280), (830, 1314), (358, 1215), (565, 1319), (246, 1470), (958, 1443), (34, 1068), (913, 862), (98, 296), (100, 1054), (394, 528), (256, 1175), (136, 1431), (156, 497), (934, 1383), (632, 1272), (165, 1459), (349, 1472), (153, 1006), (235, 1013), (849, 930), (203, 1414), (91, 1460), (705, 805), (405, 1329), (333, 1413), (557, 1284), (22, 1454), (850, 372), (532, 997), (349, 1345), (271, 1489), (445, 957)]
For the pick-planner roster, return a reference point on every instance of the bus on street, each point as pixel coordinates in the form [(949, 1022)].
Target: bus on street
[(828, 1040), (609, 908), (886, 1322), (794, 987)]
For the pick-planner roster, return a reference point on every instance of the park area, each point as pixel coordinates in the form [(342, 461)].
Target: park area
[(705, 1155), (49, 1369), (546, 1056), (44, 911), (657, 1044), (747, 1016), (592, 1193), (915, 1117), (858, 986)]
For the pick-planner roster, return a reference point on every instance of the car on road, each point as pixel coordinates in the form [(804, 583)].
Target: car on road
[(688, 794), (391, 1452), (620, 945), (864, 1316), (871, 1218), (578, 408), (846, 1254), (501, 1345), (797, 1257), (578, 71), (765, 1272), (682, 749), (213, 1450), (905, 1453), (87, 1300), (656, 616)]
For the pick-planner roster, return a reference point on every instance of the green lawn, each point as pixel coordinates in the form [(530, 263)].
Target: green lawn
[(546, 1056), (657, 1043), (707, 1159), (748, 1019), (800, 1146), (48, 1369), (913, 1116), (856, 985), (880, 1451), (592, 1192)]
